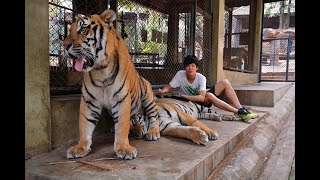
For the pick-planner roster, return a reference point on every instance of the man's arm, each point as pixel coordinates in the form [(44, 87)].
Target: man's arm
[(165, 89), (197, 98)]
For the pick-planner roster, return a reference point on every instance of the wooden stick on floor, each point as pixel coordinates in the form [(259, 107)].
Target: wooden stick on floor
[(95, 165)]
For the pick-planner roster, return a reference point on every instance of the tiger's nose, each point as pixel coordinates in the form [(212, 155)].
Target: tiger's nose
[(67, 46)]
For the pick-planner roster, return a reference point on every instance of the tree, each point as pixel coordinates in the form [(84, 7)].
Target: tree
[(278, 9)]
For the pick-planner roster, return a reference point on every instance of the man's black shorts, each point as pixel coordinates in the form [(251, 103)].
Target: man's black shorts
[(212, 90)]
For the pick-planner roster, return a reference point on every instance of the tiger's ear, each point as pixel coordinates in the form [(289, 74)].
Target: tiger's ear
[(79, 16), (109, 16)]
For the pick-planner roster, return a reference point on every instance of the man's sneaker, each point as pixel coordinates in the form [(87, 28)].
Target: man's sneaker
[(252, 114), (245, 115)]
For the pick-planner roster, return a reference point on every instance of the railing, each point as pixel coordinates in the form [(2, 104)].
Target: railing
[(277, 59), (146, 59)]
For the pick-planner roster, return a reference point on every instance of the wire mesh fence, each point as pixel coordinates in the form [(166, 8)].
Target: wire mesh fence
[(278, 59), (157, 37), (278, 43), (236, 42)]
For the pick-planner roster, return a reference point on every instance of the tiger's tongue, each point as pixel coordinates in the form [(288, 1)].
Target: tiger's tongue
[(79, 64)]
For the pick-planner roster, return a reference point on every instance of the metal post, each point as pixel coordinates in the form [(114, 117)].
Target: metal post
[(114, 6), (193, 27), (261, 44), (288, 57)]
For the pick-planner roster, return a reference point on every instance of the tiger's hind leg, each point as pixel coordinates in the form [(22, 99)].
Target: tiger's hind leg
[(191, 121), (195, 134), (213, 116)]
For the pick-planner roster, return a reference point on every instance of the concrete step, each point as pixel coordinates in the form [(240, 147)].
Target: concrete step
[(167, 158), (280, 160), (265, 94), (268, 150)]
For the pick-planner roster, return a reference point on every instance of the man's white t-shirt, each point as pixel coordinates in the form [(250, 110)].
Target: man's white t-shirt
[(180, 80)]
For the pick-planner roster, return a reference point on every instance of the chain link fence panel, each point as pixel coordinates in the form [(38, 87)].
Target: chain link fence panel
[(157, 38)]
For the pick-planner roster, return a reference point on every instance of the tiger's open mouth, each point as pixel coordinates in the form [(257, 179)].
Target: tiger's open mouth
[(82, 63), (79, 64)]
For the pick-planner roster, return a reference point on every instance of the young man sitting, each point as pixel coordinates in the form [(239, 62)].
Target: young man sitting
[(193, 87)]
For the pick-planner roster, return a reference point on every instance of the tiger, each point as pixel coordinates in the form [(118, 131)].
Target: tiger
[(178, 118), (110, 81)]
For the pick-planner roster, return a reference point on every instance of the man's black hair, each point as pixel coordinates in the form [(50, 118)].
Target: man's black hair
[(190, 59)]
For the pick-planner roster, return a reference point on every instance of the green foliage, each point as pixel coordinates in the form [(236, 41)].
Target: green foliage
[(126, 5), (269, 11), (154, 21)]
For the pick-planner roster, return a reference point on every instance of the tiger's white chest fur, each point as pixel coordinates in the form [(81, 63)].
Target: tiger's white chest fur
[(95, 90)]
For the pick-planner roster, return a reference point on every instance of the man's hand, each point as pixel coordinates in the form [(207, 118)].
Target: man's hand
[(164, 90), (161, 91)]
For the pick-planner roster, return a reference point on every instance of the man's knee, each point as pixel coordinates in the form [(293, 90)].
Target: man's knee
[(224, 83)]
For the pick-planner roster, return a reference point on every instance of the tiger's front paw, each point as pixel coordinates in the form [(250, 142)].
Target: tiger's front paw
[(127, 152), (212, 135), (77, 152), (153, 134), (198, 136)]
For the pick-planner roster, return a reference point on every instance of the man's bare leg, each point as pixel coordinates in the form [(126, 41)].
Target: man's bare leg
[(219, 103), (225, 86)]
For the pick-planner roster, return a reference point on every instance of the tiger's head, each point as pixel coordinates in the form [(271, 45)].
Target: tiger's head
[(87, 41)]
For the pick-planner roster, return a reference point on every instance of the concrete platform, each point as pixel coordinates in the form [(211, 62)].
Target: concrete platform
[(268, 151), (167, 158), (265, 94)]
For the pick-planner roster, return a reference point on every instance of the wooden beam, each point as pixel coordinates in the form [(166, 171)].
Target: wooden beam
[(238, 3), (252, 25), (158, 5)]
